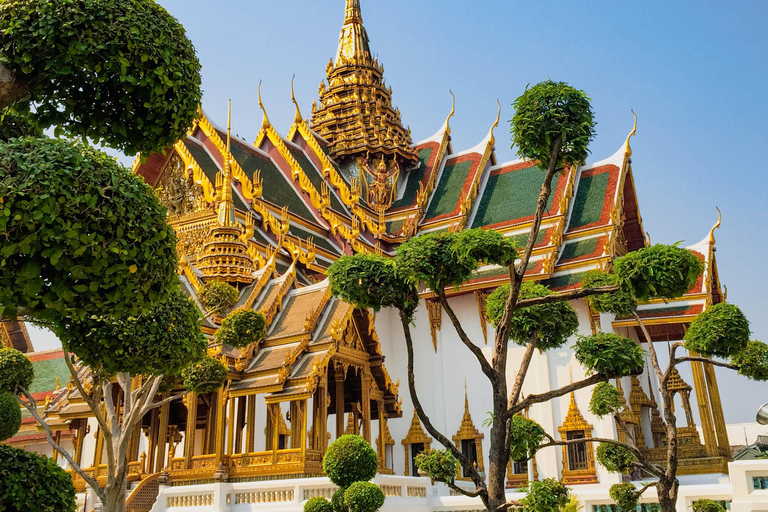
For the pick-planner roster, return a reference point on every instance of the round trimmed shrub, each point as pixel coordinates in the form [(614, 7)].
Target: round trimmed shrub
[(658, 272), (620, 303), (625, 496), (337, 501), (318, 505), (752, 360), (219, 297), (10, 416), (525, 436), (364, 497), (707, 506), (101, 244), (547, 325), (16, 370), (546, 495), (205, 376), (350, 459), (33, 482), (721, 330), (121, 72), (610, 355), (439, 465), (615, 458), (242, 328), (605, 401)]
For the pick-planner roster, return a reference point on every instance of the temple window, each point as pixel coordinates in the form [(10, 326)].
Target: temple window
[(469, 440), (414, 443), (578, 458)]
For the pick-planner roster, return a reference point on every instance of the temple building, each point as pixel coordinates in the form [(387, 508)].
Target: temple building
[(270, 215)]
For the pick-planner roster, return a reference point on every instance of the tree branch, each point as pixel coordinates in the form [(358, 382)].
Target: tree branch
[(566, 296), (86, 398), (517, 388), (555, 393), (705, 360), (465, 492), (484, 364)]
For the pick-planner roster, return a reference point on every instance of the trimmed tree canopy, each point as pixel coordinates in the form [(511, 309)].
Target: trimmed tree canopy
[(318, 505), (721, 330), (10, 416), (547, 325), (16, 371), (162, 341), (350, 459), (439, 465), (33, 482), (242, 328), (15, 124), (752, 360), (620, 303), (605, 401), (549, 110), (205, 376), (121, 72), (546, 495), (219, 297), (658, 272), (364, 497), (82, 235), (609, 354), (525, 436), (625, 495), (615, 458)]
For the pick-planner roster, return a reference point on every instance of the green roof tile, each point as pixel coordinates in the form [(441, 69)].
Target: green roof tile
[(414, 180), (448, 191), (590, 198), (203, 159), (314, 176), (521, 240), (509, 196), (319, 241), (573, 250), (564, 281), (46, 372)]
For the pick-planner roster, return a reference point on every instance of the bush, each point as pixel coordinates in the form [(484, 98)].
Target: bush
[(547, 325), (318, 505), (205, 376), (10, 416), (721, 330), (14, 124), (337, 501), (707, 506), (122, 72), (658, 272), (350, 459), (620, 303), (219, 297), (546, 495), (752, 360), (625, 496), (615, 458), (162, 341), (363, 497), (610, 355), (525, 436), (439, 465), (16, 371), (101, 239), (242, 328), (605, 401), (32, 482)]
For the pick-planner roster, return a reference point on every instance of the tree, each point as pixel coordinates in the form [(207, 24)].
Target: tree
[(33, 482), (350, 463), (218, 297), (120, 72)]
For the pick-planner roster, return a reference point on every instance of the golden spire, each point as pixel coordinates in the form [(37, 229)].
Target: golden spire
[(265, 123), (226, 205), (353, 41), (297, 118)]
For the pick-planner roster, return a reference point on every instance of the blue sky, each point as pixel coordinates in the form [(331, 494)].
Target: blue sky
[(695, 73)]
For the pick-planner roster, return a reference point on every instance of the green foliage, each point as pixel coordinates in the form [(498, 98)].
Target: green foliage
[(605, 401), (337, 501), (473, 246), (205, 376), (752, 360), (242, 328), (33, 482), (721, 330), (81, 234), (350, 459), (318, 505), (162, 341), (17, 124), (10, 416), (16, 371), (121, 72), (525, 436), (363, 497), (439, 465), (609, 354), (707, 506), (549, 110), (658, 272), (620, 303), (372, 281), (615, 458), (547, 325), (625, 496), (546, 495), (219, 297)]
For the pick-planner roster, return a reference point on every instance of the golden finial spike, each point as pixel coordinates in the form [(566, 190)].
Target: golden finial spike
[(265, 123), (227, 206), (495, 124), (628, 149), (353, 12), (716, 226), (297, 118), (453, 112)]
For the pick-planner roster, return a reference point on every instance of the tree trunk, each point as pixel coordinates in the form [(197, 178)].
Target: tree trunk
[(11, 87), (499, 456)]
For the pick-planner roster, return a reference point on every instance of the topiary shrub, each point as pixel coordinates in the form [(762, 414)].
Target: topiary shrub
[(242, 328), (337, 501), (620, 303), (122, 72), (32, 482), (101, 240), (605, 401), (615, 458), (721, 330), (16, 371), (625, 496), (218, 297), (547, 325), (658, 272), (162, 341), (318, 505), (525, 436), (350, 459), (707, 506), (205, 376), (610, 355), (10, 416), (752, 360), (363, 497), (439, 465), (17, 124), (546, 495)]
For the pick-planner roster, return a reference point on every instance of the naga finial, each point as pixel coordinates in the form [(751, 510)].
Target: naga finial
[(297, 118), (265, 123), (453, 112), (716, 226), (631, 134), (495, 124)]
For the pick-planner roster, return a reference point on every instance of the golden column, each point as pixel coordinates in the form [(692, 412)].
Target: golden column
[(189, 441)]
